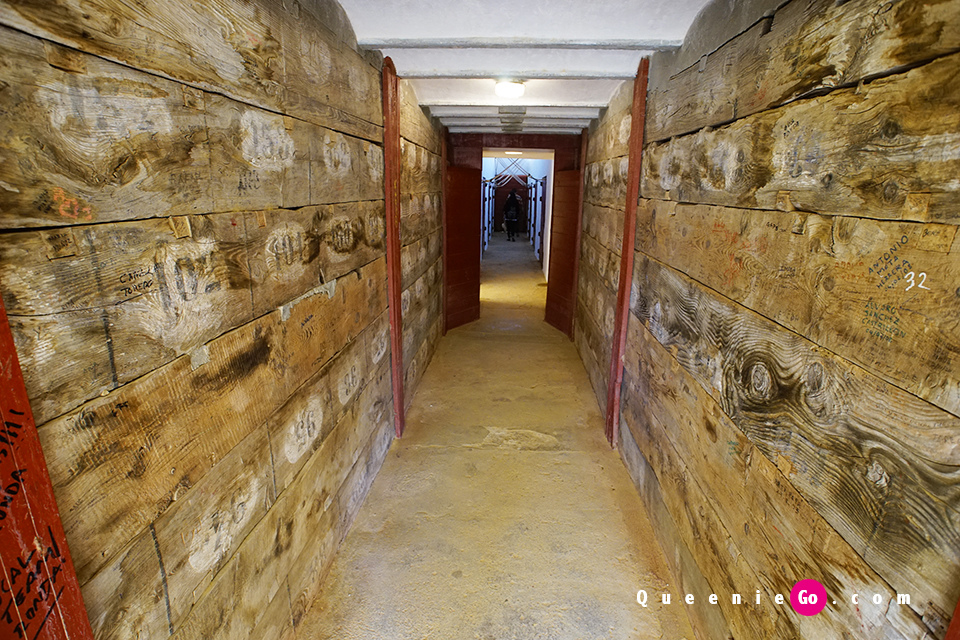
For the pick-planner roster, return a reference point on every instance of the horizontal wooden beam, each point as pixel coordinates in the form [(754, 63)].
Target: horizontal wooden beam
[(517, 43)]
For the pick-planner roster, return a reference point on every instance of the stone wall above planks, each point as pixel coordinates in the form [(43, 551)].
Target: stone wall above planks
[(192, 239), (792, 368)]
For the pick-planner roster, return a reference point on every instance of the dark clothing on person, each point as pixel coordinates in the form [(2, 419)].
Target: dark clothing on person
[(511, 214)]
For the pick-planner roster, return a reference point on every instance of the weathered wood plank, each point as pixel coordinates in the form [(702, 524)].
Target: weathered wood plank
[(842, 283), (707, 622), (417, 257), (420, 305), (126, 298), (351, 235), (344, 168), (113, 143), (292, 252), (66, 359), (611, 139), (805, 47), (416, 366), (233, 606), (110, 462), (420, 216), (265, 55), (371, 172), (127, 598), (310, 569), (601, 262), (119, 300), (251, 151), (277, 620), (415, 126), (604, 225), (326, 80), (599, 300), (204, 527), (284, 255), (589, 341), (419, 169), (606, 183), (886, 150), (699, 526), (299, 427), (881, 466), (685, 435), (106, 144)]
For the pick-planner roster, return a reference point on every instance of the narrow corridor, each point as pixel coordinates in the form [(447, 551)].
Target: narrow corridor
[(502, 513)]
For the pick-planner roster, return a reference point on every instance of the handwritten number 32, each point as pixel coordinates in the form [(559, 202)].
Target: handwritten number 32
[(919, 285)]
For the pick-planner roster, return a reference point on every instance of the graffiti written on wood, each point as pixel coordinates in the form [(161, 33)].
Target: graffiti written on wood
[(30, 588), (39, 593)]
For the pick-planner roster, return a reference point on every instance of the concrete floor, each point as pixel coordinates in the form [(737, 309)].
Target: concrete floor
[(502, 514)]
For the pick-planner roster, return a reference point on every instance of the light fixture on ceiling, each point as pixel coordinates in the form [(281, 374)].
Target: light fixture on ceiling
[(514, 153), (509, 89)]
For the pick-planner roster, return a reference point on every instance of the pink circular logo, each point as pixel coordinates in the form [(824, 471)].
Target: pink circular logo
[(808, 597)]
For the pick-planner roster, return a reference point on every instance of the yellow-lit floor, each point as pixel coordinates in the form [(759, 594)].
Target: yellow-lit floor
[(502, 513)]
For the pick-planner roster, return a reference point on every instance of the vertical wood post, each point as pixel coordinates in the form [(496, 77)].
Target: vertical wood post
[(638, 115), (443, 223), (953, 631), (40, 595), (391, 195)]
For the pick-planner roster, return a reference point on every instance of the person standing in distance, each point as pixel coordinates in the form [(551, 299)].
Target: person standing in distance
[(511, 214)]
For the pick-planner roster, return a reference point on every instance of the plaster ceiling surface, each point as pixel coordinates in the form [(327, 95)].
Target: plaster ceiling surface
[(571, 55)]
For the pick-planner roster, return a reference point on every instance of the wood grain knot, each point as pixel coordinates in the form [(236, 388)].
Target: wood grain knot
[(760, 380)]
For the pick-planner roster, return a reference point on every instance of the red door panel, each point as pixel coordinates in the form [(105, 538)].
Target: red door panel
[(564, 226), (462, 246)]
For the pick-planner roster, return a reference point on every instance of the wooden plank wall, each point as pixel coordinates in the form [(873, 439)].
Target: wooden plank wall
[(192, 257), (599, 275), (604, 202), (421, 256), (793, 363)]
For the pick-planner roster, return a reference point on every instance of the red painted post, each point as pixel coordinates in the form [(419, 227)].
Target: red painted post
[(953, 631), (626, 252), (39, 592), (391, 194), (443, 221)]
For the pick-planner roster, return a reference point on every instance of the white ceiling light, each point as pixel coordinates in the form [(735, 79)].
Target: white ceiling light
[(509, 89), (514, 153)]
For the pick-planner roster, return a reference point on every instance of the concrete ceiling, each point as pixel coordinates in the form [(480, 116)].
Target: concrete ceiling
[(571, 55)]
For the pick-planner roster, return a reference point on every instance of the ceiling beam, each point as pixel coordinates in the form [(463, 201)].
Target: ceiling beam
[(526, 74), (572, 130), (441, 111), (517, 43), (454, 121)]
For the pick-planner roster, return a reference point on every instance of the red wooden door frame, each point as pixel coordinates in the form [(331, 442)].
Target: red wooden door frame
[(391, 195), (461, 245), (622, 312), (561, 302), (40, 595), (443, 219), (564, 250)]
